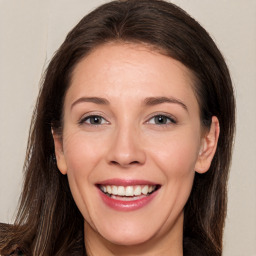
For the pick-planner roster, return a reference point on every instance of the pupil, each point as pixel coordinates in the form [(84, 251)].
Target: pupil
[(160, 120), (95, 120)]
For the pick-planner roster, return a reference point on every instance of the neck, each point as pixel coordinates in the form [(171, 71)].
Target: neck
[(161, 245)]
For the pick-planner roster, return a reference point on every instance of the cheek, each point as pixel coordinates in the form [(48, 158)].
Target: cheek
[(175, 158), (177, 154), (82, 152), (82, 155)]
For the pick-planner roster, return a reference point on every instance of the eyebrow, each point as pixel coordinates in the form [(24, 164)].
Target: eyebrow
[(152, 101), (96, 100)]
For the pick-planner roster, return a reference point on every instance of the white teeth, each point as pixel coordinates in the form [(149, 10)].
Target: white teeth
[(114, 190), (104, 189), (120, 191), (109, 190), (137, 191), (145, 190), (128, 191)]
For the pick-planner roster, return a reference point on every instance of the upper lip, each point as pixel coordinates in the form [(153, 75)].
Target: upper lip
[(125, 182)]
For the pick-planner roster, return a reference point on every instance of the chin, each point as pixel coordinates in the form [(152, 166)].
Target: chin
[(130, 239), (134, 238)]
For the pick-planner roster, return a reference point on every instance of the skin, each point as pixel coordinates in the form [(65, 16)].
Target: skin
[(129, 144)]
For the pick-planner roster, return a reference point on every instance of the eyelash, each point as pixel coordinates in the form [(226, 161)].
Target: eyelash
[(167, 118), (170, 120), (84, 119)]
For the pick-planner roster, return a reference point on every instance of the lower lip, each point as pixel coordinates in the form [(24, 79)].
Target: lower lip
[(120, 205)]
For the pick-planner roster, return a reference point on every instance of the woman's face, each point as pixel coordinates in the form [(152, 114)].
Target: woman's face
[(131, 143)]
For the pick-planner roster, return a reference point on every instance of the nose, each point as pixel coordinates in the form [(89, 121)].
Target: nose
[(126, 148)]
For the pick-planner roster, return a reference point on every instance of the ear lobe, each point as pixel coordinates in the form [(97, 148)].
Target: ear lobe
[(60, 158), (208, 147)]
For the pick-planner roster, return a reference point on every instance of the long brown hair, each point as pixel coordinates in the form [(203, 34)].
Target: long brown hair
[(48, 221)]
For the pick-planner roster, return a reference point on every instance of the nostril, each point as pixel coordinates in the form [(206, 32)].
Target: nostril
[(114, 163), (131, 163), (134, 162)]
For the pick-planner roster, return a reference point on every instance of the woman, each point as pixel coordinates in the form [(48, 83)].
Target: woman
[(131, 140)]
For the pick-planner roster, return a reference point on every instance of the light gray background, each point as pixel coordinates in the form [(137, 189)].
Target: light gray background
[(30, 31)]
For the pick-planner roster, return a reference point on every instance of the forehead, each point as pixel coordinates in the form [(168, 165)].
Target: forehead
[(114, 69)]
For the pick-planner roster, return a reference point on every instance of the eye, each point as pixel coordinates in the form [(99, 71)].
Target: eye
[(94, 120), (161, 120)]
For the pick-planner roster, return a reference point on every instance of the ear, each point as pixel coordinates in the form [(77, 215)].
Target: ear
[(208, 147), (60, 158)]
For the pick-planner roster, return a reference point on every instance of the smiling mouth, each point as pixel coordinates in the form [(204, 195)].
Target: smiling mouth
[(128, 193)]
